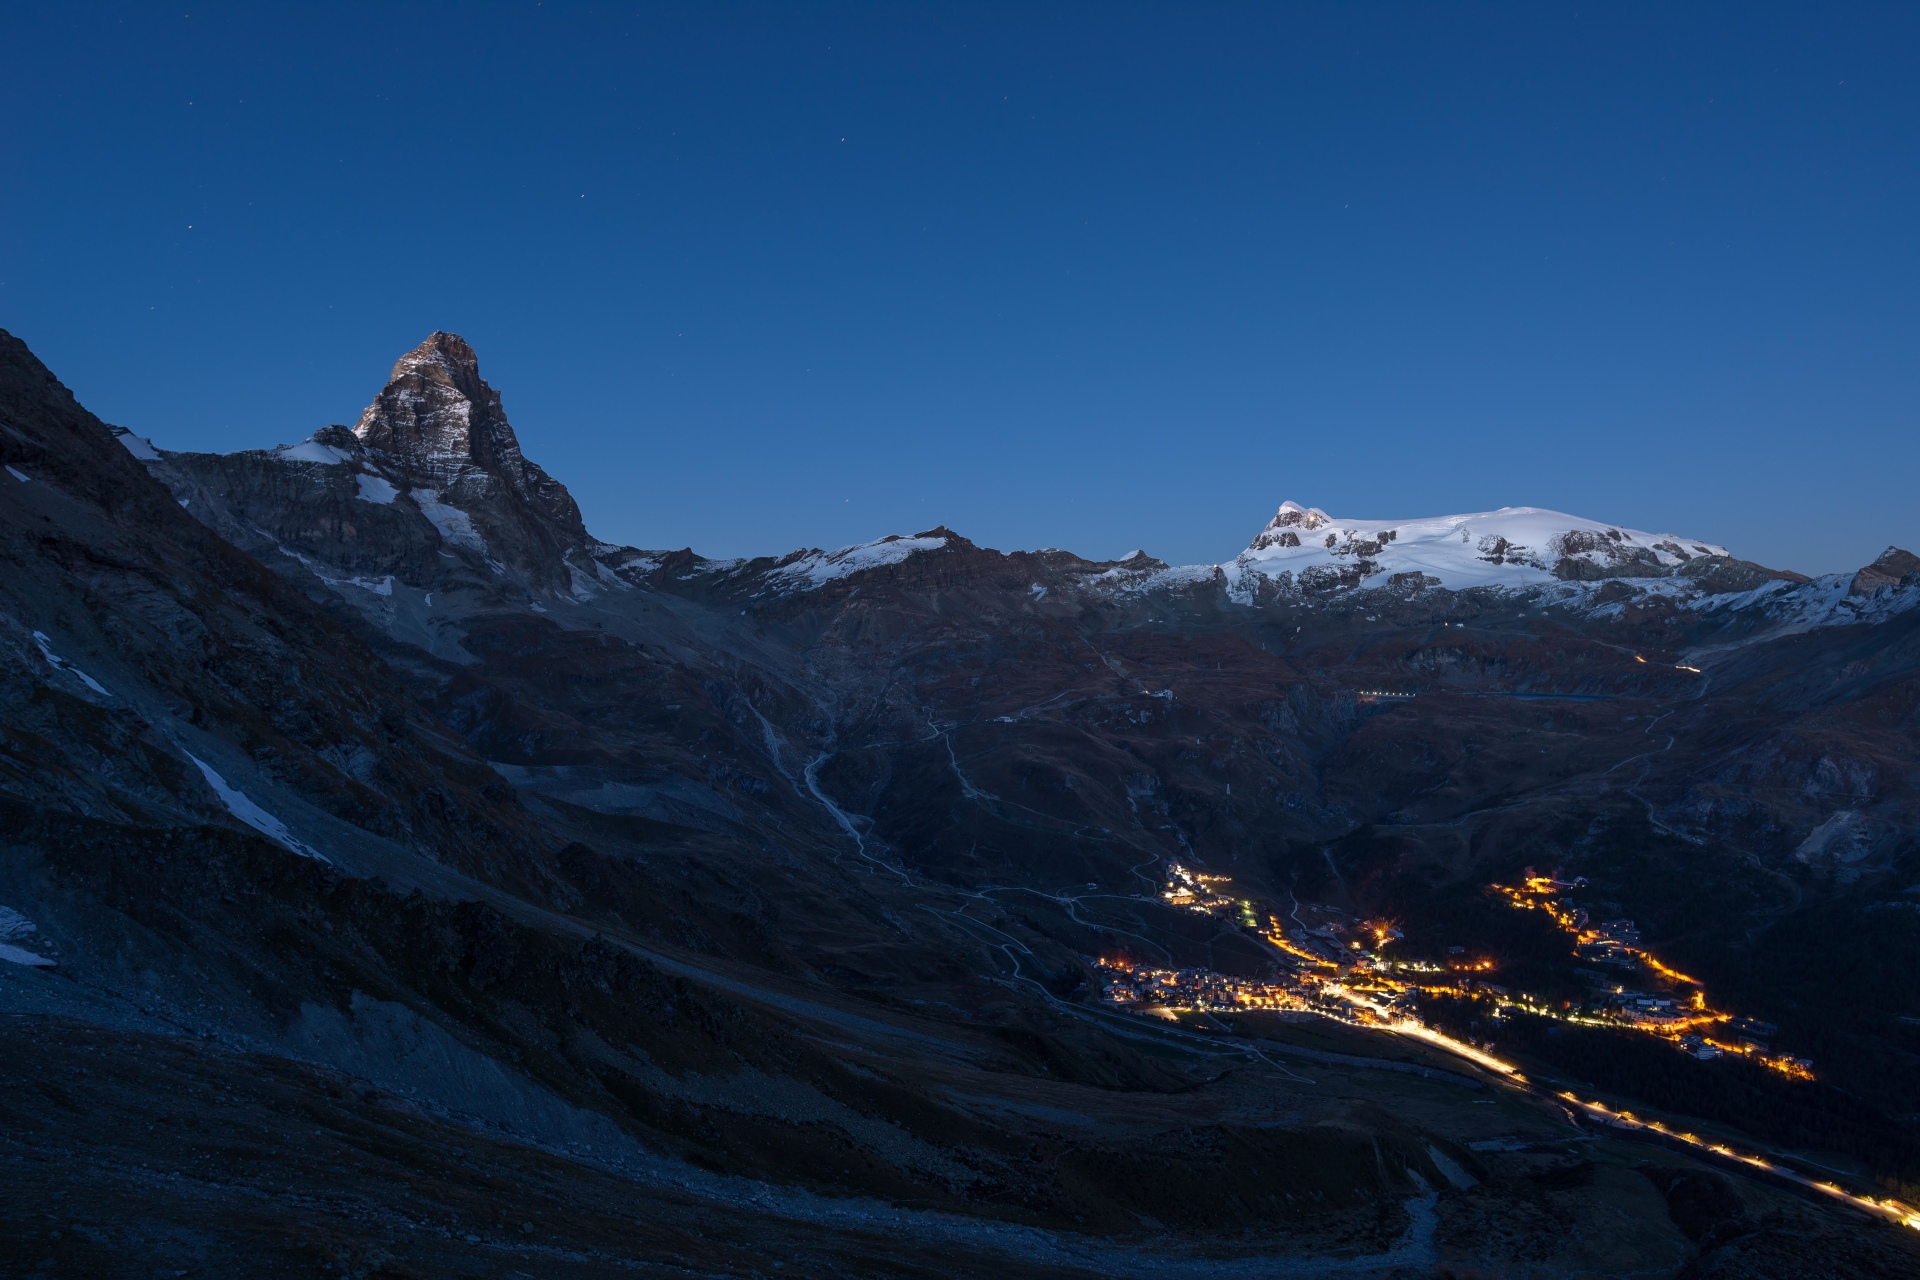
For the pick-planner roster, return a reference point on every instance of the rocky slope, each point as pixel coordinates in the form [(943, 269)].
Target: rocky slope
[(761, 893)]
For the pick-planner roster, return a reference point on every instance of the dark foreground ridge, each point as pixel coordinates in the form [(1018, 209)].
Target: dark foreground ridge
[(397, 880)]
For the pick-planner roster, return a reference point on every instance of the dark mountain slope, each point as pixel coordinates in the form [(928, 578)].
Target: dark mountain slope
[(192, 648)]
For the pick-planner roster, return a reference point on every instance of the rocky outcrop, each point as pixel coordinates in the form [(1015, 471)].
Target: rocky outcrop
[(1288, 523), (1893, 568)]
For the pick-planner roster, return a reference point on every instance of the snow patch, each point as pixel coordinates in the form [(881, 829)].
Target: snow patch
[(13, 927), (1450, 1169), (455, 525), (139, 446), (378, 586), (1838, 839), (817, 568), (17, 476), (1137, 581), (59, 663), (308, 451), (1795, 607), (583, 587), (374, 489), (252, 814)]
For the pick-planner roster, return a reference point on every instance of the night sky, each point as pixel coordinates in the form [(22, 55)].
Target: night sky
[(1095, 276)]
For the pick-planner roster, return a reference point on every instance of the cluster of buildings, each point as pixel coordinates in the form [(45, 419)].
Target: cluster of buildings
[(1140, 987), (1688, 1022), (1336, 967), (1197, 891), (1663, 1014)]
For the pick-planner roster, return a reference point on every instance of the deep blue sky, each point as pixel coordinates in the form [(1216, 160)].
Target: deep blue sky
[(1094, 276)]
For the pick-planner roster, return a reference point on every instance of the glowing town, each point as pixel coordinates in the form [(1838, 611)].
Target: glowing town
[(1356, 980)]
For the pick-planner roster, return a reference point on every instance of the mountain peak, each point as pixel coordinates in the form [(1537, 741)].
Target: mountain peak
[(1288, 523), (439, 429), (446, 357), (437, 415), (1892, 569)]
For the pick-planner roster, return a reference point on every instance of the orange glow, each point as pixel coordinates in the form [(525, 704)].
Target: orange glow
[(1537, 893), (1671, 975), (1282, 942), (1888, 1208)]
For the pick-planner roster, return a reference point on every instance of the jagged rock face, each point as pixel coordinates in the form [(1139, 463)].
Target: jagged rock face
[(438, 422), (189, 647), (438, 427), (429, 489), (437, 415)]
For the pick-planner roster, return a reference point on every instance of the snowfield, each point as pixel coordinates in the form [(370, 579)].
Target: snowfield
[(243, 808), (817, 568), (1511, 547)]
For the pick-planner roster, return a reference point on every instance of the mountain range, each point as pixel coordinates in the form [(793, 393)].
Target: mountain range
[(399, 880)]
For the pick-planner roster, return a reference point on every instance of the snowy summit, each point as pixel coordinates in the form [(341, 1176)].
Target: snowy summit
[(1511, 547)]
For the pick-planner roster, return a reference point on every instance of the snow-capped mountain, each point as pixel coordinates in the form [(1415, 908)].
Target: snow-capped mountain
[(1511, 547), (1306, 553), (427, 507)]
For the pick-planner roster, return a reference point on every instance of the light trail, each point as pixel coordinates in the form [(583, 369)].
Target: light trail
[(1889, 1208), (1280, 942), (1672, 975), (1401, 1025), (1421, 1031)]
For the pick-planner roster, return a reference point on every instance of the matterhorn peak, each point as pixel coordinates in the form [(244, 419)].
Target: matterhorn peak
[(445, 357), (439, 432), (440, 343), (437, 417)]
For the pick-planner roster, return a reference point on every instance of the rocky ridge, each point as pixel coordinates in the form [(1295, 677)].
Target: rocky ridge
[(465, 511)]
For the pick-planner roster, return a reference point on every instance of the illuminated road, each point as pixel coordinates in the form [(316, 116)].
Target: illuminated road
[(1890, 1209)]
